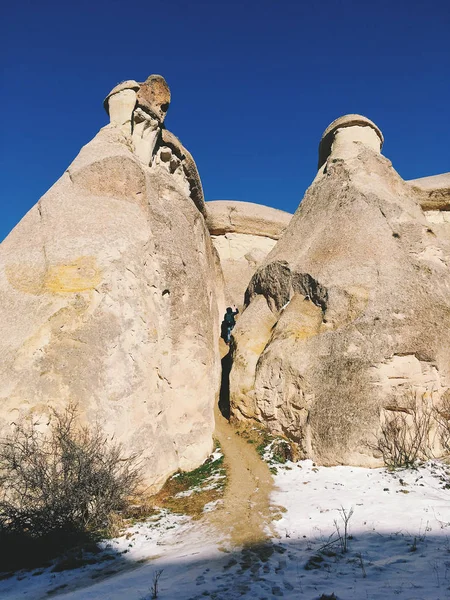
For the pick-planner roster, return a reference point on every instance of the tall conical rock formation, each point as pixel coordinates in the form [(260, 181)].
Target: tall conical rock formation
[(348, 319), (108, 292)]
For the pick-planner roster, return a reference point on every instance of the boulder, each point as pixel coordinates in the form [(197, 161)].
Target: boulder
[(347, 320), (243, 234), (108, 299), (433, 182), (434, 192)]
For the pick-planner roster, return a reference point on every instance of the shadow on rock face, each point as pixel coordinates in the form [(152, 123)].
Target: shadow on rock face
[(224, 395)]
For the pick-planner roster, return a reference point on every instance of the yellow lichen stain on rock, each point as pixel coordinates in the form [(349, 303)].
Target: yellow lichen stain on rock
[(78, 276), (301, 320), (258, 347), (28, 279), (359, 299), (310, 321)]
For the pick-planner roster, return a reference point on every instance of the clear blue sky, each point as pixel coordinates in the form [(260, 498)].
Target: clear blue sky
[(254, 84)]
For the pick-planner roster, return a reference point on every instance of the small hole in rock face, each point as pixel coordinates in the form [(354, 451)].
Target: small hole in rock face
[(396, 235), (430, 231), (165, 107), (166, 293)]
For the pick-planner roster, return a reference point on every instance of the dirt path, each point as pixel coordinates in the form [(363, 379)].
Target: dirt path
[(246, 510)]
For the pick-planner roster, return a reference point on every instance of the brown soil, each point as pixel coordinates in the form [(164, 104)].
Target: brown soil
[(246, 511)]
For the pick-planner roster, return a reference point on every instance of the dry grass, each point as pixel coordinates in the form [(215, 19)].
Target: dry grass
[(407, 435), (275, 449), (204, 484), (442, 416), (404, 439)]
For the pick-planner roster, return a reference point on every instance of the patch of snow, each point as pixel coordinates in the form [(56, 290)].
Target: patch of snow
[(216, 455), (186, 493), (267, 456), (400, 530), (399, 546), (210, 506)]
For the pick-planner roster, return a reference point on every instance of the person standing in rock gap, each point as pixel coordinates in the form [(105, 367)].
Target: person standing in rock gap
[(228, 323)]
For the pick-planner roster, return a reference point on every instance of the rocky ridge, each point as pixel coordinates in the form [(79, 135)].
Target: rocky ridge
[(346, 319), (109, 290), (112, 286)]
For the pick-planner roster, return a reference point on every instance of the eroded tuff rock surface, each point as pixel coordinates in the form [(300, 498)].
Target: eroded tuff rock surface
[(348, 318), (243, 233), (434, 193), (107, 292)]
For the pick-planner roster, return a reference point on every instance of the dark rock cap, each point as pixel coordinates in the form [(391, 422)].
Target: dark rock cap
[(346, 121), (154, 96)]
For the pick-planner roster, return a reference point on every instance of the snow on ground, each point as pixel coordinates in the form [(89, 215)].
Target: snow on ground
[(400, 530), (398, 546), (165, 542)]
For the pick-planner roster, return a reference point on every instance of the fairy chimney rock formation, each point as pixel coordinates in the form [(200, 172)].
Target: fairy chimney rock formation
[(140, 110), (344, 136), (108, 290), (243, 233), (347, 320)]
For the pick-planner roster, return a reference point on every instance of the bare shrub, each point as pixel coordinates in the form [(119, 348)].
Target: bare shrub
[(343, 536), (404, 437), (154, 589), (340, 536), (155, 585), (442, 416), (60, 487), (359, 556)]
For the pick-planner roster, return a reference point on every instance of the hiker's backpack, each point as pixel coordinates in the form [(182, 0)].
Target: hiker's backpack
[(229, 319)]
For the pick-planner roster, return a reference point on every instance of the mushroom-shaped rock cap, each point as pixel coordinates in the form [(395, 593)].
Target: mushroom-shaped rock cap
[(130, 84), (154, 96), (346, 121)]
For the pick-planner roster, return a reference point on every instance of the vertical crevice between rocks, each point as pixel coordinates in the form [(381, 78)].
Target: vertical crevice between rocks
[(224, 394)]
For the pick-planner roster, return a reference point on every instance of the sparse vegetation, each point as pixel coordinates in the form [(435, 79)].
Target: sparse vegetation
[(359, 556), (404, 437), (442, 416), (408, 434), (154, 590), (341, 536), (189, 492), (274, 449), (344, 536), (336, 545), (59, 488)]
